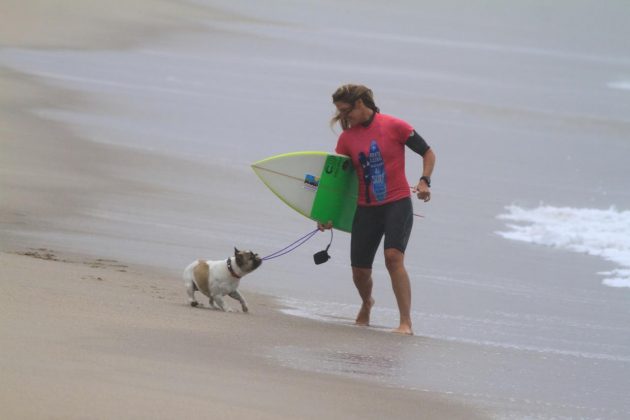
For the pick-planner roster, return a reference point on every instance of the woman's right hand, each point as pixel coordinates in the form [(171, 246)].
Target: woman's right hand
[(324, 226)]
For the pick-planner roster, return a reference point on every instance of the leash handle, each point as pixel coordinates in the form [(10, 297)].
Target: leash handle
[(331, 239)]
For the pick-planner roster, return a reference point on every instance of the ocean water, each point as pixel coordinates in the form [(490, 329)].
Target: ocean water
[(524, 104), (603, 233)]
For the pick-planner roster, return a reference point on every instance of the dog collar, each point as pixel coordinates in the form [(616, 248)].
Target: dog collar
[(232, 272)]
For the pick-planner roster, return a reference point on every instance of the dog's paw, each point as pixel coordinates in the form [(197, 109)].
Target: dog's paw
[(194, 304), (245, 309)]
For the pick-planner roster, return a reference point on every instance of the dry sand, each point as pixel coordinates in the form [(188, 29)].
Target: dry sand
[(83, 337), (90, 24)]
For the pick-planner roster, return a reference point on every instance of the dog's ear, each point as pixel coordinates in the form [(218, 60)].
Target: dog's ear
[(240, 259), (236, 251)]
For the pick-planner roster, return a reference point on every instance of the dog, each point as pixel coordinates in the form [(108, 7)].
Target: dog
[(216, 279)]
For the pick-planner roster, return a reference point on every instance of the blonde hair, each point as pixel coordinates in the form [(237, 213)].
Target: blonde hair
[(350, 94)]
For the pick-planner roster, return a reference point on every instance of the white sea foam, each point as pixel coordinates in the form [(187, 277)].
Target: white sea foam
[(603, 233), (623, 85)]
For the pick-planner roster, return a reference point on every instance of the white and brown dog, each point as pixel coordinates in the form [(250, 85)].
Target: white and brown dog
[(216, 279)]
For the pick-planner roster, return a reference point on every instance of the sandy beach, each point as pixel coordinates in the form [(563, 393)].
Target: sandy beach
[(92, 337), (84, 337), (126, 133)]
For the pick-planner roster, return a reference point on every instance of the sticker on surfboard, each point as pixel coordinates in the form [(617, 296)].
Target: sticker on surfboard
[(311, 182)]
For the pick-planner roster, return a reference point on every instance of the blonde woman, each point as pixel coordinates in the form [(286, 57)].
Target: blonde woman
[(376, 143)]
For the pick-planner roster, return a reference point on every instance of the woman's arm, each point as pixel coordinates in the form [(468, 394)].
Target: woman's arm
[(423, 189)]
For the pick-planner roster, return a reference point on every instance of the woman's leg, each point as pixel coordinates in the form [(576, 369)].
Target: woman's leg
[(363, 281), (395, 263), (367, 231)]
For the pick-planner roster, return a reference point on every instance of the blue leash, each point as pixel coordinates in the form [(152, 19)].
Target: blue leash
[(295, 245)]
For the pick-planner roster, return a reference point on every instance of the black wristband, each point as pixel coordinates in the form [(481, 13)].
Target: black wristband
[(426, 179)]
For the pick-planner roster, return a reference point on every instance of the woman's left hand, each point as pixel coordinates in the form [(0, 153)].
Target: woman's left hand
[(423, 191)]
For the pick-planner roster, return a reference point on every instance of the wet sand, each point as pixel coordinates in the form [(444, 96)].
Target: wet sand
[(84, 337)]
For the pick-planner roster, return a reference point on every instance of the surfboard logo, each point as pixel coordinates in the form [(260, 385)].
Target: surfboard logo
[(311, 182), (332, 165)]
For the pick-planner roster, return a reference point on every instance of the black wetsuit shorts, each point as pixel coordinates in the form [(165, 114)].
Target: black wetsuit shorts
[(393, 220)]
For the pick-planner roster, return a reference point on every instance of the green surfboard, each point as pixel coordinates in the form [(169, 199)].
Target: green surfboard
[(321, 186)]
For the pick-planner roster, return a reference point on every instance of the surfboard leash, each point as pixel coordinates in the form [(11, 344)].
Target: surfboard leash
[(320, 257)]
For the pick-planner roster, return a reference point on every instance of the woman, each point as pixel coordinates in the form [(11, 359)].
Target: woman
[(376, 143)]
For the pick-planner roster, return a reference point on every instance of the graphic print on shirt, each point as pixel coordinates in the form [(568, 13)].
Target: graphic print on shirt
[(367, 178), (377, 172)]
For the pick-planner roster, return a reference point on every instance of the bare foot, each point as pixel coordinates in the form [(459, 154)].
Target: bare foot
[(363, 318), (403, 329)]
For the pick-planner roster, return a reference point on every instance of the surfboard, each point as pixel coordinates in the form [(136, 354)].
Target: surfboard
[(319, 185)]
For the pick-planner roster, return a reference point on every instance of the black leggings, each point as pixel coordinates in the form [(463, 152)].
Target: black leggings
[(393, 220)]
